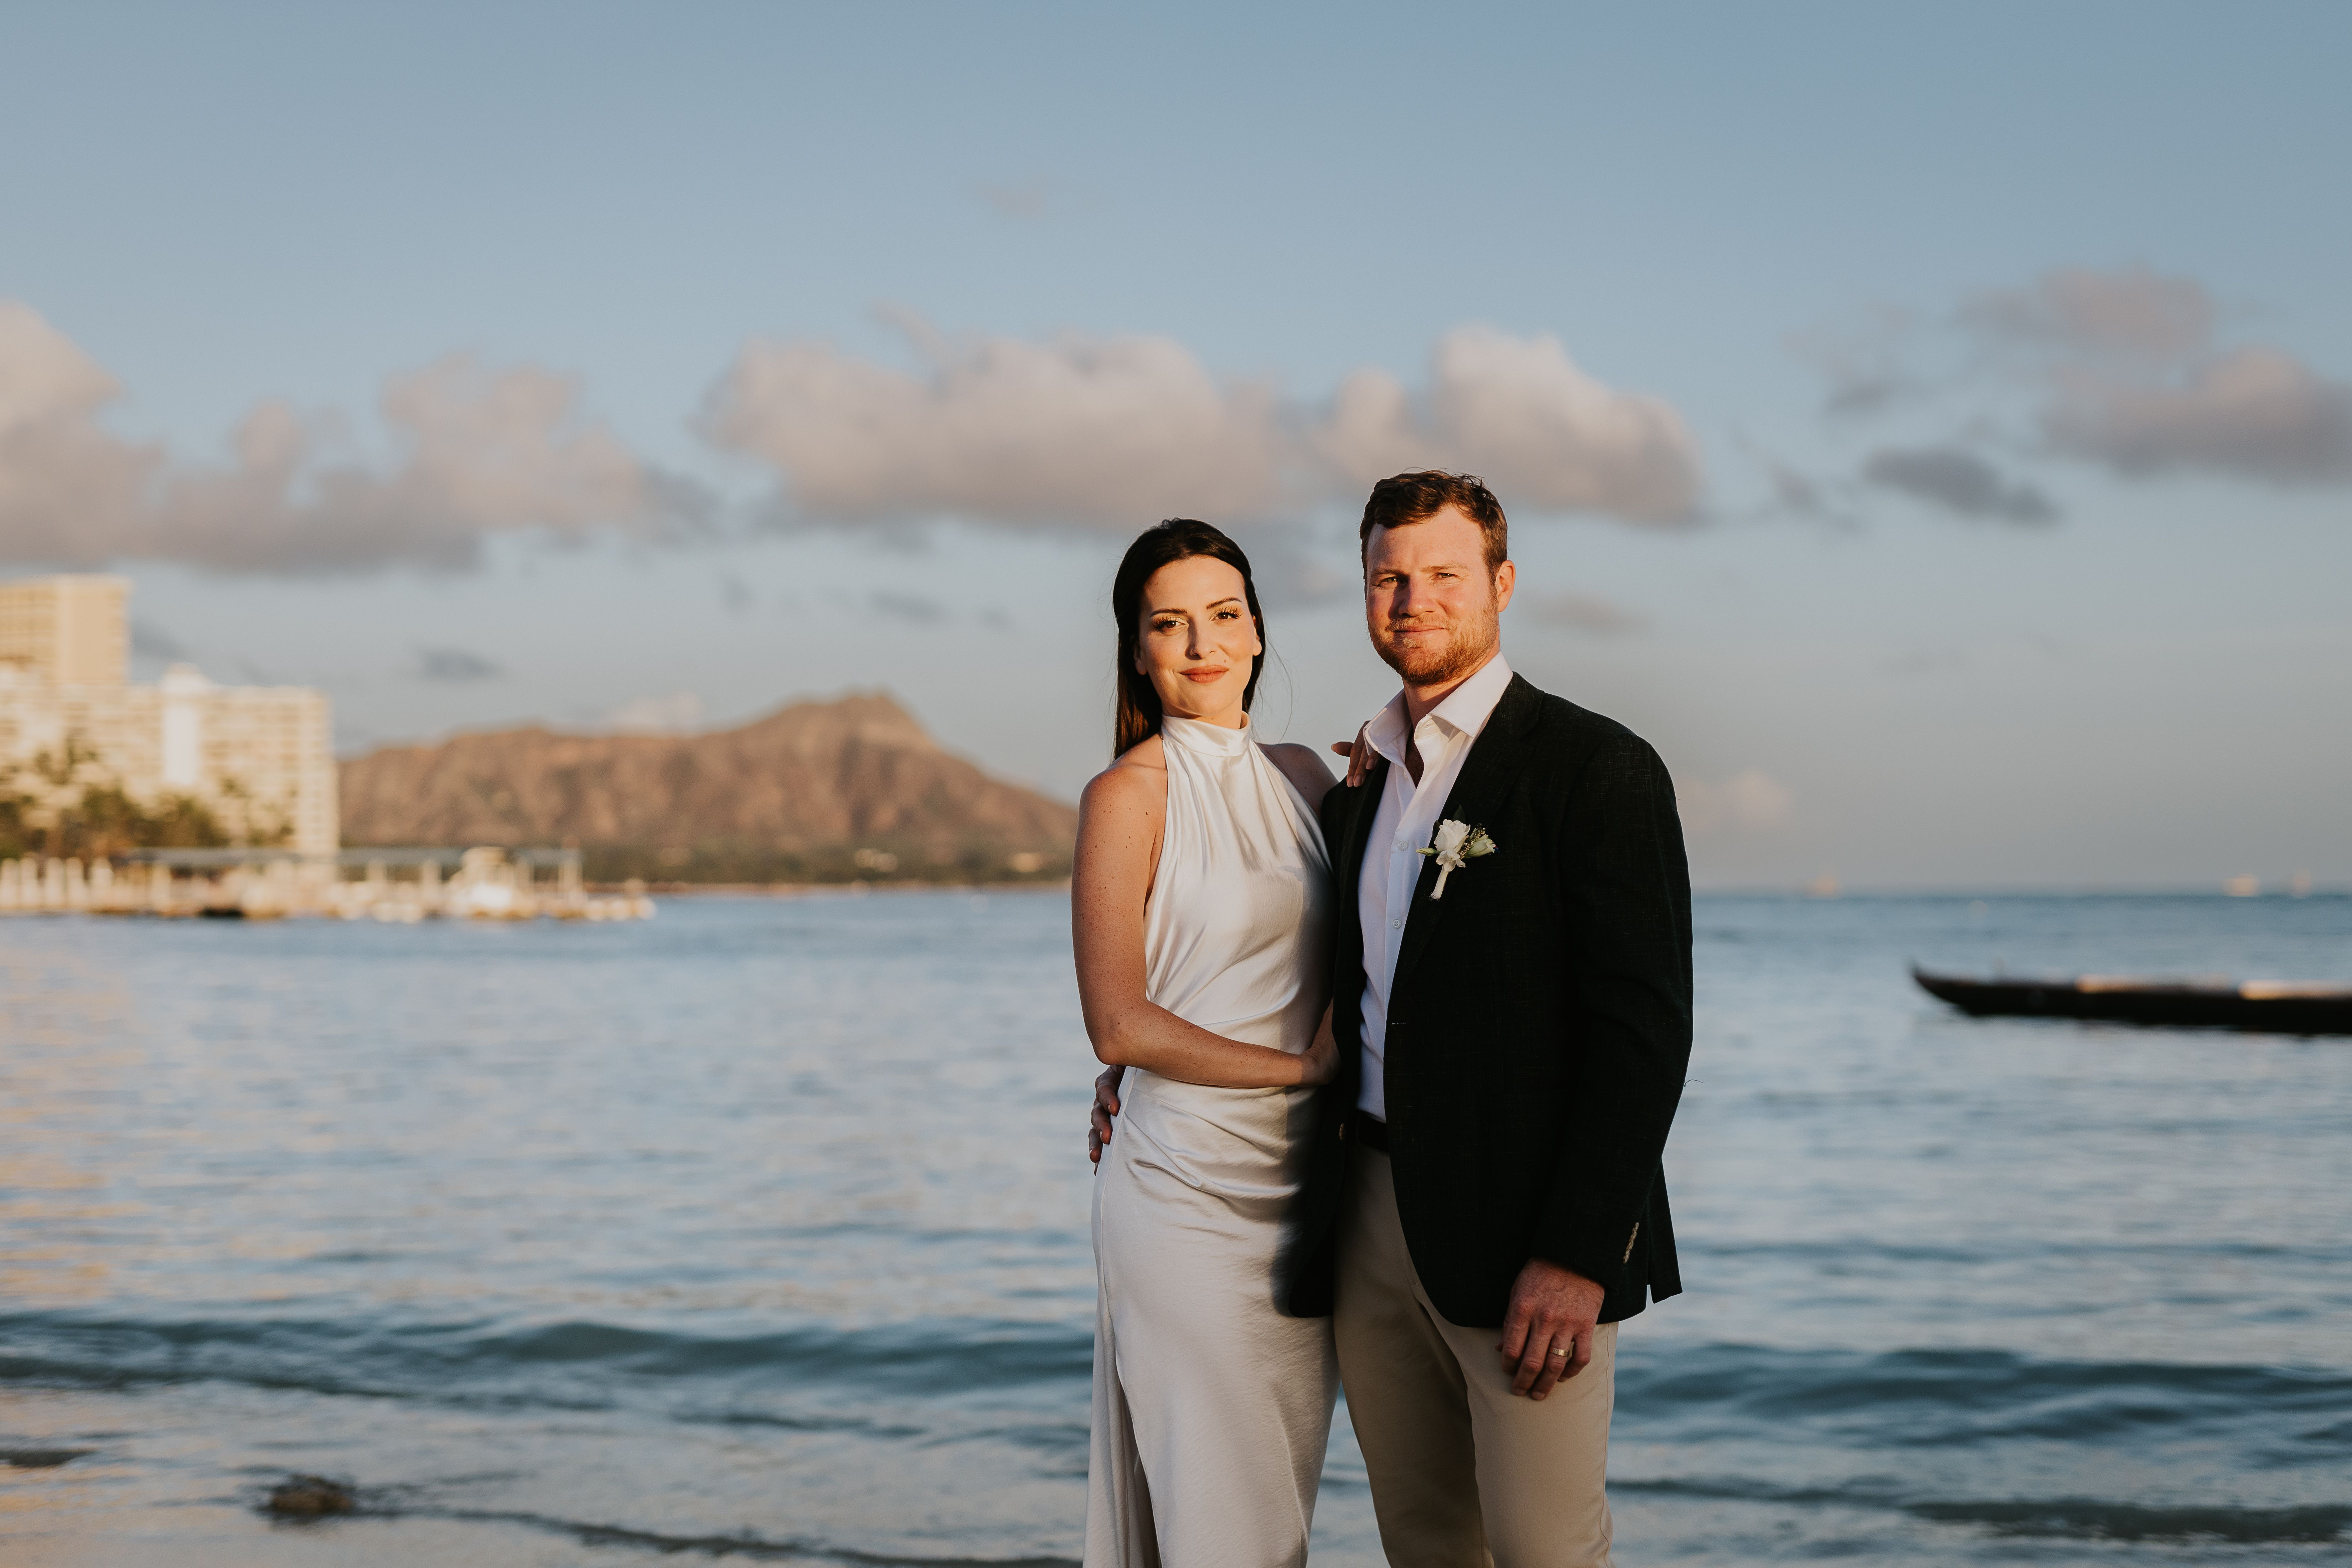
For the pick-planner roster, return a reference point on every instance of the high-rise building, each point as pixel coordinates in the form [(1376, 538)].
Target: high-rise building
[(260, 759), (65, 631)]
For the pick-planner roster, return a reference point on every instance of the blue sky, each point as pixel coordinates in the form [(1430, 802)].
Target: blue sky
[(1931, 430)]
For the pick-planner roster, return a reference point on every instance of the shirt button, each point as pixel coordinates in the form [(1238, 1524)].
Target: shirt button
[(1394, 924)]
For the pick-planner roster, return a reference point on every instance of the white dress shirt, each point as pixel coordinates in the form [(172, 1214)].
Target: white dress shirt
[(1403, 825)]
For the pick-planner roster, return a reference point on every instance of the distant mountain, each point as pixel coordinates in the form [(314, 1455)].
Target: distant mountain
[(816, 791)]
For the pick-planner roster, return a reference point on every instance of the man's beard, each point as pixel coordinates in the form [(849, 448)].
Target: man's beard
[(1472, 645)]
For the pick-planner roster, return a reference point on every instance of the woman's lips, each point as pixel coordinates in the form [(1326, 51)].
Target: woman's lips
[(1206, 675)]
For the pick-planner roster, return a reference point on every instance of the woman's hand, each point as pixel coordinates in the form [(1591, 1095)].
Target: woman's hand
[(1106, 1107), (1358, 752), (1319, 1063)]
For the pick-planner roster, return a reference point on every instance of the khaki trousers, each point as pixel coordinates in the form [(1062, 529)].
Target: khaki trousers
[(1464, 1473)]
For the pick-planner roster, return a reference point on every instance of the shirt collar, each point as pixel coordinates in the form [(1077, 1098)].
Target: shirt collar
[(1465, 710)]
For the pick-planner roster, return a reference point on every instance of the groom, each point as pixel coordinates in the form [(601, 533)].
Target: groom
[(1483, 1203)]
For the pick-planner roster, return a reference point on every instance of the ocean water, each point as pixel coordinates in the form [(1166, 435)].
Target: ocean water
[(758, 1232)]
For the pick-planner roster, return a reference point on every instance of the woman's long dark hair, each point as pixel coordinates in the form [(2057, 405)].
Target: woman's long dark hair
[(1178, 539)]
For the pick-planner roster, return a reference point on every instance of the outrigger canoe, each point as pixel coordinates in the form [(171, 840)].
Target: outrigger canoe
[(2274, 1006)]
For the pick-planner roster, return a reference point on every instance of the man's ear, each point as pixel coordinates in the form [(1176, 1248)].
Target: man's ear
[(1507, 576)]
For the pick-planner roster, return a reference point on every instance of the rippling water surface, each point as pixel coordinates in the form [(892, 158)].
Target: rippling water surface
[(759, 1231)]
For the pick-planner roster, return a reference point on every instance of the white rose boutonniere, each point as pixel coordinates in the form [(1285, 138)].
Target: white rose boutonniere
[(1453, 844)]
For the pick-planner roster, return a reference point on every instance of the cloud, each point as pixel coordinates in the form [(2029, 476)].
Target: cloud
[(479, 453), (1111, 433), (2129, 369), (455, 665), (910, 607), (1750, 800), (1865, 362), (2137, 380), (1578, 612), (1297, 566), (1024, 202), (1959, 481), (675, 715), (2130, 313), (2254, 413), (1077, 432), (1521, 414)]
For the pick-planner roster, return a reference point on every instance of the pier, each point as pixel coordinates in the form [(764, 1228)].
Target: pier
[(397, 886)]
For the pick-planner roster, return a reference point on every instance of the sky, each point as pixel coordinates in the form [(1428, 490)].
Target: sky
[(1932, 429)]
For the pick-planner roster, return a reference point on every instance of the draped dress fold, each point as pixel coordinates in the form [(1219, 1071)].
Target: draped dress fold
[(1211, 1409)]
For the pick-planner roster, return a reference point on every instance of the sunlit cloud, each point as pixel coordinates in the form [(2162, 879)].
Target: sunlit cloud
[(2138, 380), (2129, 370), (1518, 412), (2128, 313), (479, 453), (1578, 612), (1074, 432), (1749, 801), (2255, 413), (1102, 433)]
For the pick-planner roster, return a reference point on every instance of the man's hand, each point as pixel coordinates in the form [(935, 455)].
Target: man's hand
[(1359, 754), (1548, 1332), (1106, 1107)]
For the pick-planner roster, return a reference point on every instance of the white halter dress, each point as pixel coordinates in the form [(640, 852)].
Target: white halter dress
[(1210, 1408)]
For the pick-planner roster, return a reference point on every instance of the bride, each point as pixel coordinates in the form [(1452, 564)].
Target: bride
[(1200, 908)]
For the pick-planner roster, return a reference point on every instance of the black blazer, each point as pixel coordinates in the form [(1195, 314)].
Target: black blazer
[(1539, 1024)]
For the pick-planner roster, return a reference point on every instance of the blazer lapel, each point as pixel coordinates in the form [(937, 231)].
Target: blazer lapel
[(1495, 759)]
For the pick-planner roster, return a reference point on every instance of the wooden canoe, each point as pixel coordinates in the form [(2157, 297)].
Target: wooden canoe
[(2282, 1007)]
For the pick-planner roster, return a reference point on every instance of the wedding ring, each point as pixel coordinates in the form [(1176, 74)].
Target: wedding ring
[(1562, 1353)]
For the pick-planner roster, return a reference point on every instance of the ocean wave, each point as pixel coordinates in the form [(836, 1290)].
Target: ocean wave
[(947, 1381), (1925, 1398), (579, 1364), (2090, 1518), (386, 1503), (2079, 1518)]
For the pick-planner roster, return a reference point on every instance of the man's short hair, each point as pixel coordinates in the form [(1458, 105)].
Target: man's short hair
[(1406, 499)]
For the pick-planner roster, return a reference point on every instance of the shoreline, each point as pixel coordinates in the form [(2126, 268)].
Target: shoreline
[(818, 890)]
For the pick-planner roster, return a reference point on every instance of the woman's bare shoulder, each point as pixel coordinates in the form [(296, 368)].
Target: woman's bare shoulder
[(1302, 767), (1137, 779)]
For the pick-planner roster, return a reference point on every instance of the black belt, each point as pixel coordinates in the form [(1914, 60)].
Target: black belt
[(1370, 1130)]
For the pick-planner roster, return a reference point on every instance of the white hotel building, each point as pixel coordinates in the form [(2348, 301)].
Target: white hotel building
[(261, 758)]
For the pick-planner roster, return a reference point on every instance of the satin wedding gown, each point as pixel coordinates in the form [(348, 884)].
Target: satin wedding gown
[(1210, 1408)]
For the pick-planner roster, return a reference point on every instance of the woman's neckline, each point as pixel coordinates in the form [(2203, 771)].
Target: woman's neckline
[(1200, 735)]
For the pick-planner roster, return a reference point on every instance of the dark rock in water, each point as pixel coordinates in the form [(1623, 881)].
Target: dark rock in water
[(41, 1458), (308, 1497)]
